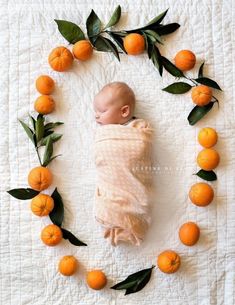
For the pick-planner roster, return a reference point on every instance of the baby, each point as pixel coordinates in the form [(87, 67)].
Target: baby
[(122, 150)]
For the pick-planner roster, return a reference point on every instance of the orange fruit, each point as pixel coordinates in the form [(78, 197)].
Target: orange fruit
[(201, 194), (208, 159), (45, 84), (82, 50), (201, 95), (168, 261), (189, 233), (96, 279), (60, 59), (68, 265), (134, 44), (185, 60), (42, 205), (207, 137), (40, 178), (44, 104), (51, 235)]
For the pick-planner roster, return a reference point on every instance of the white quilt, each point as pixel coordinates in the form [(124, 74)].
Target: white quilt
[(28, 269)]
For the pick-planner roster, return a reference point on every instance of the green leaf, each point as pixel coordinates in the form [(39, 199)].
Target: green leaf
[(178, 88), (93, 25), (153, 36), (47, 133), (106, 45), (33, 121), (171, 68), (54, 136), (157, 19), (166, 29), (198, 113), (200, 72), (208, 82), (70, 31), (57, 214), (52, 125), (39, 127), (118, 39), (115, 17), (48, 151), (156, 59), (73, 239), (207, 175), (135, 282), (23, 193), (29, 131)]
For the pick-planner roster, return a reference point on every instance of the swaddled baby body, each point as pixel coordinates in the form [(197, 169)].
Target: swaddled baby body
[(123, 148)]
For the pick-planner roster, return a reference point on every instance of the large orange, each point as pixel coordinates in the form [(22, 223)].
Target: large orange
[(68, 265), (201, 194), (134, 44), (82, 50), (45, 84), (42, 205), (208, 159), (51, 235), (207, 137), (201, 95), (44, 104), (185, 60), (40, 178), (60, 59), (168, 261), (189, 233), (96, 279)]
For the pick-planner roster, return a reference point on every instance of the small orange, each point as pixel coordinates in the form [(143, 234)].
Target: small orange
[(134, 44), (189, 233), (201, 95), (45, 84), (42, 205), (82, 50), (40, 178), (60, 59), (185, 60), (207, 137), (96, 279), (51, 235), (168, 261), (68, 265), (201, 194), (44, 104), (208, 159)]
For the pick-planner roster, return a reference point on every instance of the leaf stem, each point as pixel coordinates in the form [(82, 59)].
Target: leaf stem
[(38, 155), (193, 81)]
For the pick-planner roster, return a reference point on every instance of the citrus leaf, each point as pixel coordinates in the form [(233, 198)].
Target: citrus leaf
[(47, 133), (153, 36), (200, 72), (70, 31), (114, 18), (52, 125), (23, 193), (156, 59), (73, 239), (207, 175), (54, 136), (48, 151), (178, 88), (57, 214), (33, 121), (157, 19), (208, 82), (106, 45), (117, 39), (93, 25), (29, 131), (171, 68), (135, 282), (39, 127), (166, 29), (198, 113)]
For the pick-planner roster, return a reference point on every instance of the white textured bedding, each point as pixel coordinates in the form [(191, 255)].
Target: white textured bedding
[(28, 269)]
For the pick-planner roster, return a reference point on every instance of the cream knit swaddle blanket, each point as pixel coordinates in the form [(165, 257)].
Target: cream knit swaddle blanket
[(123, 161)]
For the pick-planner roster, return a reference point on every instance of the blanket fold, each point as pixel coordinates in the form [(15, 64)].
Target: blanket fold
[(123, 157)]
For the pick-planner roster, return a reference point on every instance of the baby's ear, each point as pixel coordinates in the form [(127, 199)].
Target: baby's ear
[(125, 110)]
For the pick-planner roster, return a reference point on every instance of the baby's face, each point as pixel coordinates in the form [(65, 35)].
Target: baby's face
[(107, 109)]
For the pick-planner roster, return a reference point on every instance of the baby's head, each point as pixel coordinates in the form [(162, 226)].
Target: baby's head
[(114, 104)]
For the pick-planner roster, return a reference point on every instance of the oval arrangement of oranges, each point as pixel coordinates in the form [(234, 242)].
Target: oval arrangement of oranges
[(40, 178)]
